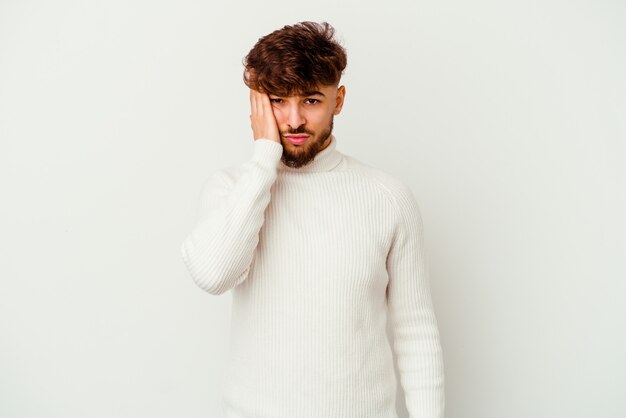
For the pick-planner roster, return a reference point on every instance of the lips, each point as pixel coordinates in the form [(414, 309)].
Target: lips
[(297, 139)]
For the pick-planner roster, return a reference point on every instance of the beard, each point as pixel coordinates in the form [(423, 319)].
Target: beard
[(305, 153)]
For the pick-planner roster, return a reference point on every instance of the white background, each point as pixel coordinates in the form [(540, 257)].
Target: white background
[(507, 120)]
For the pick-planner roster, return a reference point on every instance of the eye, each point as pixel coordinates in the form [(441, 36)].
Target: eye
[(276, 100), (312, 101)]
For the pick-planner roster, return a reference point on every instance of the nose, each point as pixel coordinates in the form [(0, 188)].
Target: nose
[(295, 118)]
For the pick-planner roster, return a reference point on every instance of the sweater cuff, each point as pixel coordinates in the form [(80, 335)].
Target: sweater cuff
[(267, 152)]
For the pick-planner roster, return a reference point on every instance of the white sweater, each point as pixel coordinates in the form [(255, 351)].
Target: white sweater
[(315, 257)]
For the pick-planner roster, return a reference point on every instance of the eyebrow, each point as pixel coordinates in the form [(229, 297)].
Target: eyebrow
[(304, 93), (313, 93)]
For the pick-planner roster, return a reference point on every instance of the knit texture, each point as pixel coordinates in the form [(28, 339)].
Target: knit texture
[(316, 258)]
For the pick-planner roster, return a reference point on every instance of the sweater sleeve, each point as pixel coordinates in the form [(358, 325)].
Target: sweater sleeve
[(416, 341), (219, 250)]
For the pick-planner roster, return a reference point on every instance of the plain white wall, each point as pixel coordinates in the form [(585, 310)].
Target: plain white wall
[(507, 119)]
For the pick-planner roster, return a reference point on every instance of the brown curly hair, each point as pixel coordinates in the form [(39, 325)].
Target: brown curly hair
[(295, 59)]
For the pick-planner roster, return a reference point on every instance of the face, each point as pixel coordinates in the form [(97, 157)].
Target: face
[(305, 122)]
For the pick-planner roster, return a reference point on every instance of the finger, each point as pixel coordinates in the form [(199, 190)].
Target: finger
[(253, 102), (269, 108), (259, 104), (265, 103)]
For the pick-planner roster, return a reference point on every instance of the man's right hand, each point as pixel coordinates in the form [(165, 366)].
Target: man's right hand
[(262, 117)]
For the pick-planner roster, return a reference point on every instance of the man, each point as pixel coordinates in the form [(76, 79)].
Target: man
[(316, 248)]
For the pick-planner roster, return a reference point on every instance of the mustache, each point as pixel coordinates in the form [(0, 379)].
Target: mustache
[(299, 130)]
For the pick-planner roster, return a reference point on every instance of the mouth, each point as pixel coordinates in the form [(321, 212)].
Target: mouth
[(297, 139)]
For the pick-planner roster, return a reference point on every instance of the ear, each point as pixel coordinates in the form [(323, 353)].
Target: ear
[(341, 94)]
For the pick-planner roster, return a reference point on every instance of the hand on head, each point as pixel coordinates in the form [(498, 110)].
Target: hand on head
[(262, 118)]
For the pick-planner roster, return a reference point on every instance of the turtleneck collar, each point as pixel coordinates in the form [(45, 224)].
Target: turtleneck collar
[(325, 160)]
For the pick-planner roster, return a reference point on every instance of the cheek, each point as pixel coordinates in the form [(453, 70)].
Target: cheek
[(320, 118)]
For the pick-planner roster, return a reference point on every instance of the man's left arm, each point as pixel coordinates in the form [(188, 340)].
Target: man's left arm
[(416, 341)]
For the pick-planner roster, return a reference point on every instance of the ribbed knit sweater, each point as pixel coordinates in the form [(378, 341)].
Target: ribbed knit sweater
[(316, 258)]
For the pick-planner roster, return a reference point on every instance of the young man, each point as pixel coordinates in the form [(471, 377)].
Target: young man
[(317, 249)]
